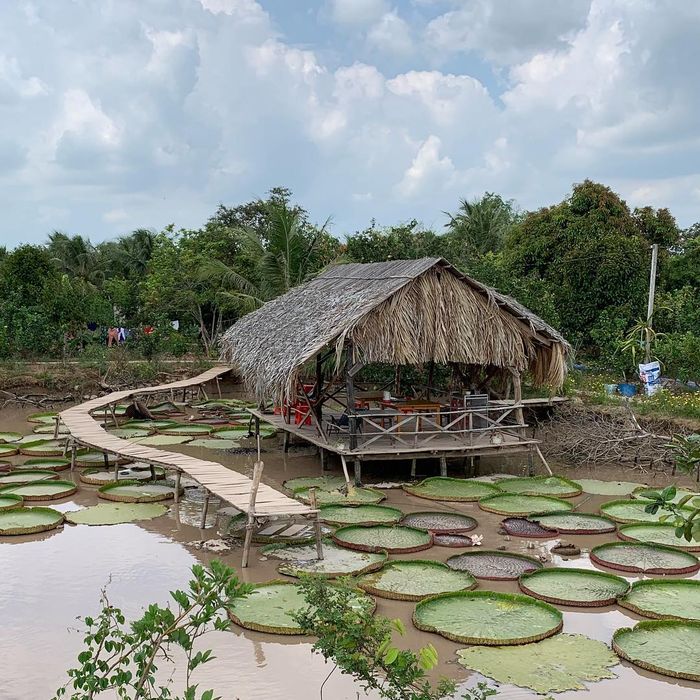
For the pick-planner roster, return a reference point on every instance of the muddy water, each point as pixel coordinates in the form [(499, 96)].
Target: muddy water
[(48, 580)]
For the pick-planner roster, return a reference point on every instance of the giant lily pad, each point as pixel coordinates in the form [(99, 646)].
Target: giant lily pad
[(160, 440), (375, 538), (45, 429), (187, 429), (9, 501), (556, 486), (522, 527), (443, 488), (326, 483), (149, 425), (355, 496), (237, 433), (95, 458), (214, 444), (132, 491), (493, 565), (26, 476), (647, 493), (130, 433), (570, 523), (577, 587), (355, 515), (416, 579), (10, 436), (487, 617), (42, 448), (164, 408), (639, 557), (299, 559), (100, 477), (115, 513), (563, 662), (656, 533), (278, 532), (45, 490), (664, 600), (633, 511), (44, 417), (515, 504), (669, 647), (55, 464), (26, 521), (456, 541), (270, 606), (608, 488), (439, 522), (8, 450)]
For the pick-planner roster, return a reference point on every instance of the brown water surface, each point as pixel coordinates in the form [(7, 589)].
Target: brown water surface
[(48, 580)]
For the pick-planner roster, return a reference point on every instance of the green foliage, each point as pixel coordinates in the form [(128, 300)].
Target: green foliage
[(361, 644), (680, 355), (122, 656), (683, 514)]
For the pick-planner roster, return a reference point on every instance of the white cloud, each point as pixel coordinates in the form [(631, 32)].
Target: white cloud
[(357, 12), (391, 34), (13, 84), (427, 168)]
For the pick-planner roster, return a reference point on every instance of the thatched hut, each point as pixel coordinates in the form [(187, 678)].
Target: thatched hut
[(403, 312)]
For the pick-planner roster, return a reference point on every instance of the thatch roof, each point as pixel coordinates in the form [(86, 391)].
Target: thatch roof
[(398, 312)]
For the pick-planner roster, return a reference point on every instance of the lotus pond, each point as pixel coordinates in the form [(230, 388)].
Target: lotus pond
[(141, 551)]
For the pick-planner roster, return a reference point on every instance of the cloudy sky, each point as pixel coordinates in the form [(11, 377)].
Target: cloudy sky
[(119, 114)]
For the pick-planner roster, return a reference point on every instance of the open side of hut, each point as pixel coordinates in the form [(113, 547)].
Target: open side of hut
[(404, 312)]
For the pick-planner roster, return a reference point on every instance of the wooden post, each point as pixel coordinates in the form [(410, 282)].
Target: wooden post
[(205, 509), (431, 373), (178, 474), (413, 468), (105, 457), (350, 393), (153, 472), (318, 408), (530, 464), (544, 461), (250, 523), (73, 450), (357, 464), (518, 396), (345, 470), (218, 386), (324, 459), (285, 442), (313, 502), (114, 415), (443, 465), (57, 421), (116, 469)]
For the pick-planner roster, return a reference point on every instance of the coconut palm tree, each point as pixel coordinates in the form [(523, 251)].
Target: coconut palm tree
[(76, 257)]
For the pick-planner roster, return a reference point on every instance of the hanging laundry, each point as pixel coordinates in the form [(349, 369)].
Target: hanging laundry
[(92, 326), (121, 335), (112, 336), (175, 325), (148, 330)]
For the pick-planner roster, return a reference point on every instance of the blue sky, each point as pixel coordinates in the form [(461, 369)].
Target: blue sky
[(118, 114)]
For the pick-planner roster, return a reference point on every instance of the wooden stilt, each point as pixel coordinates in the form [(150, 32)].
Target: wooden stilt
[(313, 502), (153, 472), (285, 442), (250, 523), (204, 391), (218, 386), (358, 472), (178, 474), (73, 450), (113, 414), (205, 509), (116, 471), (413, 468), (544, 461), (105, 457), (345, 471), (530, 464), (57, 422), (443, 465), (324, 459)]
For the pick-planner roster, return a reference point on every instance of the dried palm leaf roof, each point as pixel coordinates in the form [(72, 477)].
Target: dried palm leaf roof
[(398, 312)]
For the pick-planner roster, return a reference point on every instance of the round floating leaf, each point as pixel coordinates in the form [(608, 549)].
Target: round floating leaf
[(493, 565), (94, 458), (355, 496), (130, 433), (577, 587), (149, 425), (164, 408), (26, 521), (47, 463), (365, 515), (26, 476), (375, 538), (563, 662), (416, 579), (541, 486), (99, 477), (160, 440), (443, 488), (9, 501), (44, 429), (10, 436), (45, 417), (327, 483), (633, 511), (656, 533), (278, 534), (664, 600), (270, 607), (230, 433), (115, 513), (487, 617), (8, 450), (187, 429), (458, 541), (644, 493), (639, 557), (299, 559), (608, 488), (132, 491), (570, 523), (515, 504), (214, 444), (669, 647), (46, 448), (45, 490), (522, 527), (439, 522)]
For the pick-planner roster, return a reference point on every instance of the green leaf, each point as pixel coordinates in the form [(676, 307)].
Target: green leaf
[(391, 655), (669, 493)]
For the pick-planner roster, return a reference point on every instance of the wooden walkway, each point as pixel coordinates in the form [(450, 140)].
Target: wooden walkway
[(215, 478)]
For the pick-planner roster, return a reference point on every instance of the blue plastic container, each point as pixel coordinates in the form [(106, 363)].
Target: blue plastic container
[(628, 390)]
